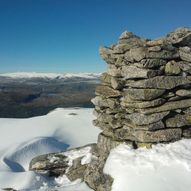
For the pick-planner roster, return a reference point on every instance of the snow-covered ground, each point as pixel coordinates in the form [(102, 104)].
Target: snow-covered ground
[(23, 139), (50, 75), (162, 168)]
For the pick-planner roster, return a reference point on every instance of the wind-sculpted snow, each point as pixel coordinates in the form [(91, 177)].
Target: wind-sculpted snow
[(18, 158), (23, 139)]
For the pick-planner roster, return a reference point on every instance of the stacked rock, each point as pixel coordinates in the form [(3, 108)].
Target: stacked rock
[(145, 96)]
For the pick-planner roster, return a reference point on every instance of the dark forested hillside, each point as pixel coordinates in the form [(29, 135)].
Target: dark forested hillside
[(27, 97)]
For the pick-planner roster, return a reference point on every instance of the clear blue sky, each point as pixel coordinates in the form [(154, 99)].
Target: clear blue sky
[(65, 35)]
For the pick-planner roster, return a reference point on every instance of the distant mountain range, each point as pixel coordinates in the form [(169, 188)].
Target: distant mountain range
[(50, 75), (31, 94)]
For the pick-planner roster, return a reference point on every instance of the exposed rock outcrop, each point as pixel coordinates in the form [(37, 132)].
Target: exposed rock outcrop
[(71, 163)]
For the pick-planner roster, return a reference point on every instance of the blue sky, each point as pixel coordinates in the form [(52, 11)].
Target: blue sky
[(65, 35)]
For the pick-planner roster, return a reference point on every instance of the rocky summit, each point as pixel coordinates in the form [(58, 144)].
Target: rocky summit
[(144, 98)]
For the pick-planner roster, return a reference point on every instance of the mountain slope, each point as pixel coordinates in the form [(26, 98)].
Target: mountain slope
[(32, 94)]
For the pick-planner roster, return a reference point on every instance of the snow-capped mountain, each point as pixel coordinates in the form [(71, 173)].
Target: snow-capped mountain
[(50, 75)]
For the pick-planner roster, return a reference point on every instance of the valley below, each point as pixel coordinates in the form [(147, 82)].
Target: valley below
[(22, 97)]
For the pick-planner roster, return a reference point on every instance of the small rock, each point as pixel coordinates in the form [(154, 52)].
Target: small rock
[(180, 37), (172, 67), (105, 102), (178, 121), (186, 133), (185, 53), (154, 49), (114, 71), (183, 93), (137, 54), (107, 91), (106, 54)]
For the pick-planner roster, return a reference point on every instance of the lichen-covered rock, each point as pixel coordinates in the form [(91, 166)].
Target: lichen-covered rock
[(105, 144), (180, 37), (95, 178), (142, 104), (148, 127), (185, 53), (179, 120), (130, 72), (71, 163), (166, 135), (105, 103), (163, 54), (152, 103), (142, 119), (168, 106), (151, 63), (161, 82), (172, 67), (154, 83), (107, 91), (186, 133)]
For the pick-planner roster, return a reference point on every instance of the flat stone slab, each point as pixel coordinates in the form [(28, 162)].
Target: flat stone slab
[(107, 92), (163, 54), (142, 119), (143, 104), (151, 63), (105, 102), (143, 94), (129, 134), (150, 127), (165, 135), (161, 82), (183, 93), (179, 121), (130, 72), (168, 106)]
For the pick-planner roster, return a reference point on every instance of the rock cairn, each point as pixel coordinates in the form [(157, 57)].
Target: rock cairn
[(144, 99), (145, 96)]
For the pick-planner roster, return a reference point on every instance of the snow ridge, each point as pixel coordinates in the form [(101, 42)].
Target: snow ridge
[(50, 75)]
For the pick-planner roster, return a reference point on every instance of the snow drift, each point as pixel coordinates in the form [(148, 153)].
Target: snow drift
[(23, 139), (165, 167)]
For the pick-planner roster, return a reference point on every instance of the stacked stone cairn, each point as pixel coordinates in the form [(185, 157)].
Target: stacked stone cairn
[(144, 99), (145, 96)]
